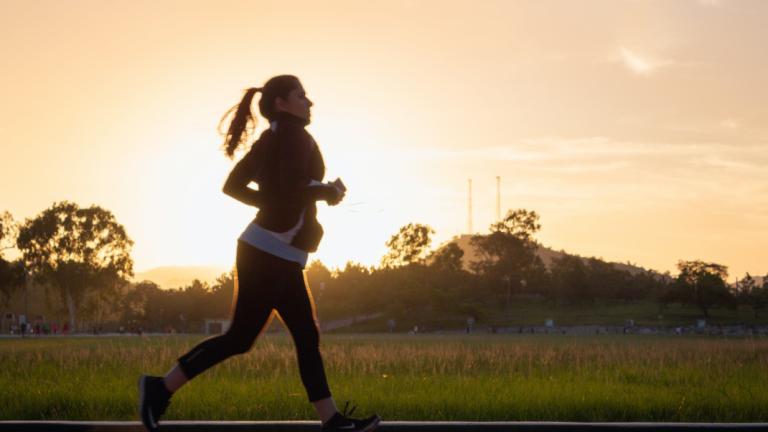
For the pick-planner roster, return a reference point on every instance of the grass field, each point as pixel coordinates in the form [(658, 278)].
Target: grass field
[(402, 377)]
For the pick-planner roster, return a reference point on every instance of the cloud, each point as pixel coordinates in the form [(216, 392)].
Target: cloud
[(603, 154), (640, 64)]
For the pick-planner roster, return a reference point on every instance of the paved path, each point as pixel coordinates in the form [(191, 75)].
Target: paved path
[(391, 426)]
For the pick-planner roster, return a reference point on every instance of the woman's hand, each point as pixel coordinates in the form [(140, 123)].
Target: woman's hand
[(340, 192)]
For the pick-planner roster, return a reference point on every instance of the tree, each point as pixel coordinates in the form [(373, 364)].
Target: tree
[(318, 276), (701, 284), (749, 293), (571, 279), (449, 284), (9, 231), (448, 258), (408, 246), (353, 283), (13, 275), (520, 223), (222, 295), (134, 303), (507, 256), (76, 251)]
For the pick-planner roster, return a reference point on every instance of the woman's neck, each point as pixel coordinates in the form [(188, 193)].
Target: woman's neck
[(286, 117)]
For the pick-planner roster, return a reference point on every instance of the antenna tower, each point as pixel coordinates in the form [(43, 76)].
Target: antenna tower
[(498, 199), (469, 210)]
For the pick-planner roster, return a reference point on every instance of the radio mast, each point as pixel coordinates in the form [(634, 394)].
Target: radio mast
[(498, 199), (469, 209)]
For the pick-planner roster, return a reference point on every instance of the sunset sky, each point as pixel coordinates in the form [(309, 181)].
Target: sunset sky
[(637, 129)]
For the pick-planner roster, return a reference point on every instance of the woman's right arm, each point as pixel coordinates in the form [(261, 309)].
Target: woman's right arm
[(297, 153), (237, 183)]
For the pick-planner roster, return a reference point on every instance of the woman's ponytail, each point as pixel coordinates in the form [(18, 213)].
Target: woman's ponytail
[(242, 123)]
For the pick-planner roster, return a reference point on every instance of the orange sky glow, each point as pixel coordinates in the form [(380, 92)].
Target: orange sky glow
[(637, 129)]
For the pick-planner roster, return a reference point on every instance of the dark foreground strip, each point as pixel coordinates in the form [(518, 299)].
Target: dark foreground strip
[(392, 426)]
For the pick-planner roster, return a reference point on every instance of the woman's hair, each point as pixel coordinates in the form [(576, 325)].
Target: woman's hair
[(243, 121)]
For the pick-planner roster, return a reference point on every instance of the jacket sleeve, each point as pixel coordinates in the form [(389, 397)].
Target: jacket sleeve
[(240, 177), (297, 150)]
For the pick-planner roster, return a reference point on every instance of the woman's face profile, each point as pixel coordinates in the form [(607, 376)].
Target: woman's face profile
[(297, 103)]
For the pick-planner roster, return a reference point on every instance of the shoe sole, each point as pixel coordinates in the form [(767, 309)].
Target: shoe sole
[(371, 427), (142, 395)]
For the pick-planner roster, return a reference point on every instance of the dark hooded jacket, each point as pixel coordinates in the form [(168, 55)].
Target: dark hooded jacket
[(283, 162)]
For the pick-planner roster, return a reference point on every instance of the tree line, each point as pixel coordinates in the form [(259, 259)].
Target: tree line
[(81, 258)]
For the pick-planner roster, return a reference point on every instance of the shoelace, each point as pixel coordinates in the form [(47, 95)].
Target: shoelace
[(345, 413)]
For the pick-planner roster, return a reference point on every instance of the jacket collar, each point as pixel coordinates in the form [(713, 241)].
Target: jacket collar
[(283, 117)]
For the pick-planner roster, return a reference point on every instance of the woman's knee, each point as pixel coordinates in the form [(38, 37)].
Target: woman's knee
[(238, 342)]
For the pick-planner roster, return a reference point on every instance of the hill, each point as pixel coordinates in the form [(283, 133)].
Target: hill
[(546, 254), (178, 276)]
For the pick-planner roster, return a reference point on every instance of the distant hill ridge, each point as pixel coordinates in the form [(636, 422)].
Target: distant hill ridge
[(546, 254), (180, 276)]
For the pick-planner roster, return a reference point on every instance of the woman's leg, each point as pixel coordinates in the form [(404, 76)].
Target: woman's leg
[(296, 308), (174, 379), (325, 408), (253, 307)]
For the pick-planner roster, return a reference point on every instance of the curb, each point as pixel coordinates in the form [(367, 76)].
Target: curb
[(392, 426)]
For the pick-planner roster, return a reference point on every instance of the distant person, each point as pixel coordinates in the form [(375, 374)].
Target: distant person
[(271, 253)]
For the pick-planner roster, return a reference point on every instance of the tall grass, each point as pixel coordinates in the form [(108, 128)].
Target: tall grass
[(419, 377)]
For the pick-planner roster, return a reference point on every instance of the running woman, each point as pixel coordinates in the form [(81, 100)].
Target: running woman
[(271, 252)]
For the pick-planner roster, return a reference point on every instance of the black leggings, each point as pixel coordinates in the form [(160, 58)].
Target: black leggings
[(266, 282)]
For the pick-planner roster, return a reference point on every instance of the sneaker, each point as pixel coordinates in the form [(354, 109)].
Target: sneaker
[(342, 422), (153, 400)]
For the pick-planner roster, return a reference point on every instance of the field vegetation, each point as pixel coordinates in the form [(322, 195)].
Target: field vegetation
[(402, 377)]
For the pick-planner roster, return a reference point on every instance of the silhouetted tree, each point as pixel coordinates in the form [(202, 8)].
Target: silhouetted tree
[(507, 256), (571, 279), (700, 284), (604, 279), (450, 283), (520, 223), (318, 275), (134, 302), (76, 250), (198, 298), (222, 292), (447, 258), (9, 231), (353, 283), (408, 246), (748, 292), (13, 274)]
